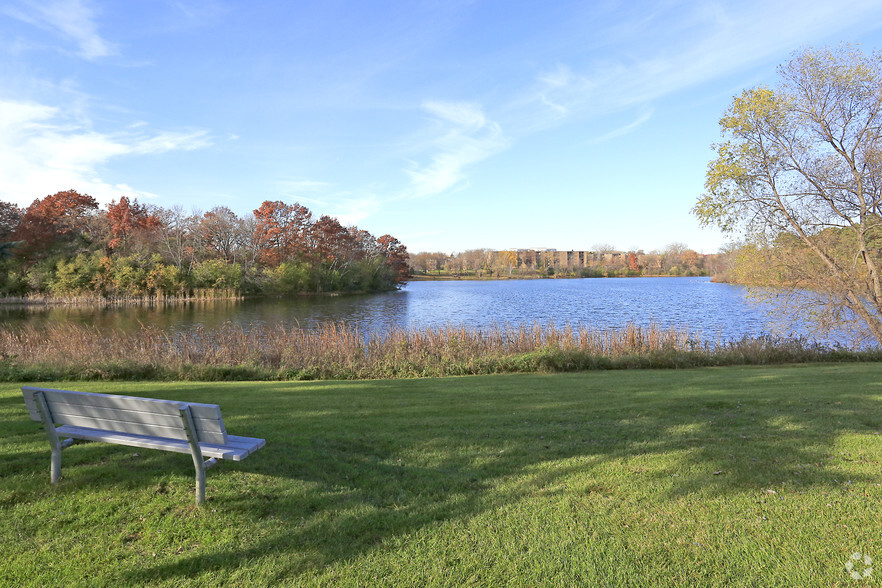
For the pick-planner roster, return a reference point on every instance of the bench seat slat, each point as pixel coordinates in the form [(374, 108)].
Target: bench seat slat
[(159, 406), (140, 429), (237, 451), (124, 427), (211, 431), (243, 446), (62, 411)]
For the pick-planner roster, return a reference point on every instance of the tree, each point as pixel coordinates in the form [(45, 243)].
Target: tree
[(126, 219), (527, 257), (220, 232), (177, 236), (6, 250), (331, 242), (653, 262), (473, 259), (247, 235), (396, 258), (603, 248), (282, 231), (672, 257), (508, 260), (10, 216), (57, 219), (633, 266), (692, 262), (800, 173), (426, 262), (365, 244), (419, 262)]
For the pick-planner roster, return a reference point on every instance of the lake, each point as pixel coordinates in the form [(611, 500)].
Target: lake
[(705, 308)]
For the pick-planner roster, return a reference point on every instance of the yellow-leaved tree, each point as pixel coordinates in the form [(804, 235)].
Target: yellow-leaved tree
[(799, 174)]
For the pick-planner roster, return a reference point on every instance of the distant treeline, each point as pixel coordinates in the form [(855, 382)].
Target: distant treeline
[(64, 246), (675, 260)]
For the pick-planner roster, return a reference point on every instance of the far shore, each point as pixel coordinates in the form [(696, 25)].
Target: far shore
[(472, 277)]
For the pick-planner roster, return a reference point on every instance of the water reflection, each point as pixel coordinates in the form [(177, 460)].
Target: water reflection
[(707, 309)]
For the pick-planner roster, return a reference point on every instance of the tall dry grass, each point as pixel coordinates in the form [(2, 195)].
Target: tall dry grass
[(340, 351)]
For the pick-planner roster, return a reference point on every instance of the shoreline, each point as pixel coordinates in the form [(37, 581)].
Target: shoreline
[(425, 278), (97, 301)]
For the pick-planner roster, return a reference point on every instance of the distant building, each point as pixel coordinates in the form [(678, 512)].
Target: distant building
[(539, 258)]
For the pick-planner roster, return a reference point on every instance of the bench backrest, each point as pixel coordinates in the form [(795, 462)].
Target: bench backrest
[(128, 414)]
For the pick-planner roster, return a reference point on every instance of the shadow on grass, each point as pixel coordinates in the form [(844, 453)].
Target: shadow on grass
[(356, 465)]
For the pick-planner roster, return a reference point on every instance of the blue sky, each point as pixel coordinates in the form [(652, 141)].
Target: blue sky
[(452, 125)]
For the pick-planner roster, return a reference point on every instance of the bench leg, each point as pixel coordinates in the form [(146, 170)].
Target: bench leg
[(200, 479), (196, 452), (55, 469), (54, 444), (201, 466)]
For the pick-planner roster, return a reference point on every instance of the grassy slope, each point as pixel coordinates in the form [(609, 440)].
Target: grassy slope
[(723, 476)]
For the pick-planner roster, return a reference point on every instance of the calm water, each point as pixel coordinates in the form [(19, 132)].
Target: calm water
[(708, 309)]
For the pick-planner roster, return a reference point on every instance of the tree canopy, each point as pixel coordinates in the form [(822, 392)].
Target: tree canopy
[(66, 245), (799, 173)]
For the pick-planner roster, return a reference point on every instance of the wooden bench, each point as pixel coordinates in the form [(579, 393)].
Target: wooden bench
[(182, 427)]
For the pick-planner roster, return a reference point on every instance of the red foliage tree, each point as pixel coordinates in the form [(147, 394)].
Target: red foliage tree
[(632, 262), (281, 231), (364, 244), (396, 257), (331, 241), (127, 218), (54, 219)]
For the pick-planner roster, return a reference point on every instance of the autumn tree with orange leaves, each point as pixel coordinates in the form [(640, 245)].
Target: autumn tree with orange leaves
[(332, 242), (396, 257), (55, 220), (127, 219), (633, 266), (282, 231)]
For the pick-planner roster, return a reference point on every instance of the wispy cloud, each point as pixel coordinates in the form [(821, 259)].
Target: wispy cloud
[(169, 141), (552, 80), (41, 152), (296, 187), (72, 19), (324, 198), (674, 47), (462, 137), (352, 211), (624, 130)]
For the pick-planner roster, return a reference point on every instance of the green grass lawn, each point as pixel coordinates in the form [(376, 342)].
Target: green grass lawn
[(756, 476)]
